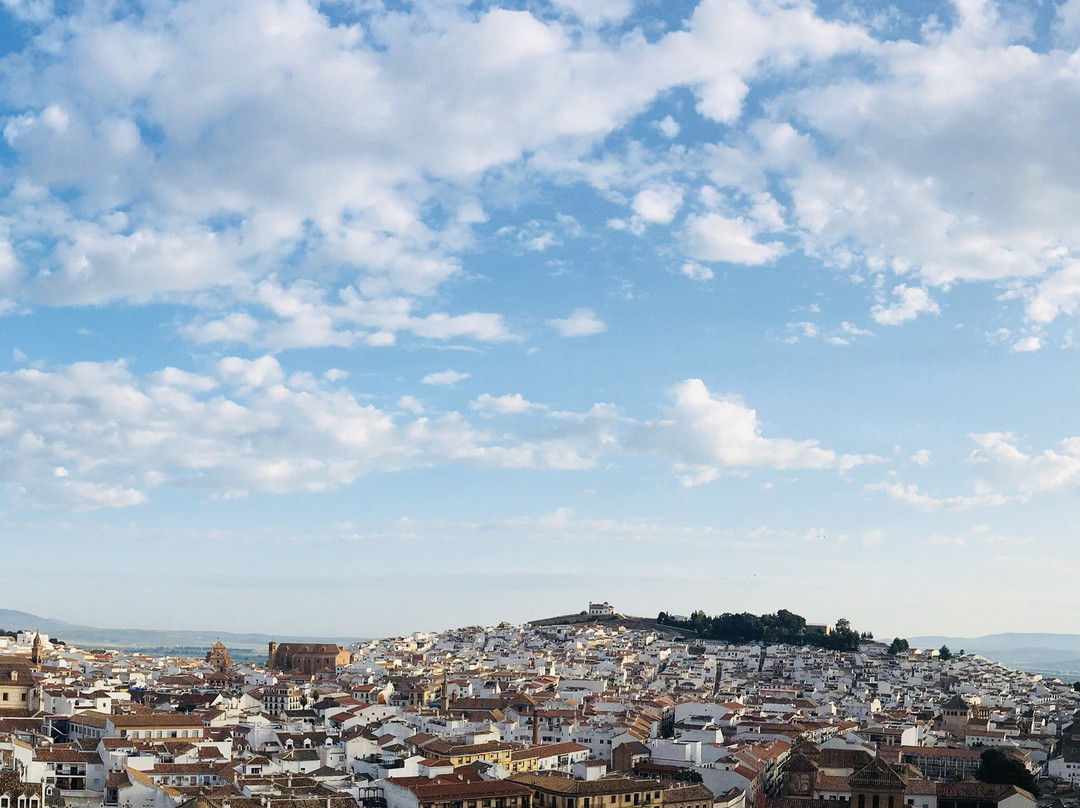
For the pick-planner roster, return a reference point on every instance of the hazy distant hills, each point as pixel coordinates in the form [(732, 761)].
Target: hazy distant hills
[(1051, 654), (136, 638)]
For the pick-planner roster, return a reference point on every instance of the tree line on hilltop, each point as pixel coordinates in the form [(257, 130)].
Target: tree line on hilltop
[(781, 627)]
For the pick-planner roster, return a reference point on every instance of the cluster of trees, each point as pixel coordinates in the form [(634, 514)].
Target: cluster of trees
[(997, 767), (781, 627)]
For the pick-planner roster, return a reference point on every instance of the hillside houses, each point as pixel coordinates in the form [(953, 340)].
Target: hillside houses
[(559, 716)]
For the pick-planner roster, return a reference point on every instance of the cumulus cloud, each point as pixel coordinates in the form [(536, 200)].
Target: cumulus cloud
[(1003, 472), (715, 237), (704, 434), (133, 135), (873, 189), (911, 302), (1027, 344), (668, 126), (580, 323), (503, 405), (445, 378), (658, 204), (92, 435), (300, 315), (95, 434), (1002, 465), (695, 271), (911, 495)]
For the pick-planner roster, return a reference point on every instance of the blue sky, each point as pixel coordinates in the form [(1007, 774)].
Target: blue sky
[(369, 317)]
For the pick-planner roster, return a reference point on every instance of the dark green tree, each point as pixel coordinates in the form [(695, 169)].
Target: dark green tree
[(944, 653), (898, 646), (687, 775), (997, 767)]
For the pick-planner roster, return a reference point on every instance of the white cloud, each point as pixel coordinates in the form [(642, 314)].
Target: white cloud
[(580, 323), (149, 121), (668, 127), (259, 372), (1028, 344), (893, 176), (921, 457), (446, 378), (714, 237), (94, 435), (912, 302), (593, 12), (801, 329), (412, 404), (300, 316), (911, 495), (703, 434), (658, 204), (695, 271), (236, 327), (1004, 473), (503, 405), (1001, 465)]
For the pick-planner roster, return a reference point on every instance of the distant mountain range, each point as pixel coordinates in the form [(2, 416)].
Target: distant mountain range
[(1049, 654), (147, 639)]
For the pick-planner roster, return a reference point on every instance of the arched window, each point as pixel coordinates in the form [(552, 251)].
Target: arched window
[(862, 801), (877, 801)]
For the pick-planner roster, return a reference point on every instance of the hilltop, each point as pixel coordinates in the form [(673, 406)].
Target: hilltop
[(608, 620)]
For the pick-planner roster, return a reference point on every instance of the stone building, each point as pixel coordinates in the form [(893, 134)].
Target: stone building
[(306, 657), (218, 656)]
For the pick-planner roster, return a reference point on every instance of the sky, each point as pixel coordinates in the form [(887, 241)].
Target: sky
[(368, 317)]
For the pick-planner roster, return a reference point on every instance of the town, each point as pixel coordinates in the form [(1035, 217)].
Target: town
[(591, 711)]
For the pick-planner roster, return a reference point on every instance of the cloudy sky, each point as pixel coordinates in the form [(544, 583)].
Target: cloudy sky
[(370, 316)]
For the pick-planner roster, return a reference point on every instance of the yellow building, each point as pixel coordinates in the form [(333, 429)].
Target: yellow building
[(546, 757), (16, 686), (461, 754)]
